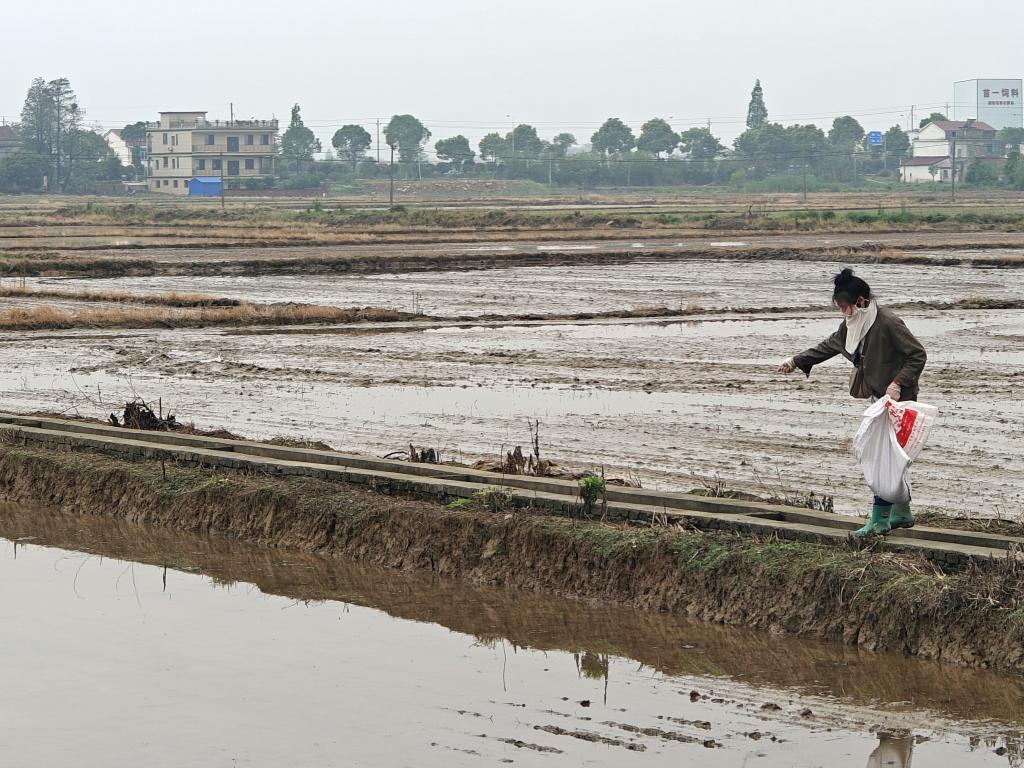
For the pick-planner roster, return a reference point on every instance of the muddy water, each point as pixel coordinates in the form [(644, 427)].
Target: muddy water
[(668, 401), (590, 288), (128, 646)]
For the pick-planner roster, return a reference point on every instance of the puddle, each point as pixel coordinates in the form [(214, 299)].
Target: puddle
[(128, 646)]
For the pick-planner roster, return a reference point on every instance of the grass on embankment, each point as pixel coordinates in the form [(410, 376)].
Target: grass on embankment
[(239, 314), (165, 299), (836, 214), (875, 600)]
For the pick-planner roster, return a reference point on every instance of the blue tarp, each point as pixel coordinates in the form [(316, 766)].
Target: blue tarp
[(204, 186)]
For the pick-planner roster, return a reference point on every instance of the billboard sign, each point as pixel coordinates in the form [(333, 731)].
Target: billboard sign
[(875, 138), (996, 102)]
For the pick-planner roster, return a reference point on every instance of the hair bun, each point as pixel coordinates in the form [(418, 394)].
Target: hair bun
[(844, 276)]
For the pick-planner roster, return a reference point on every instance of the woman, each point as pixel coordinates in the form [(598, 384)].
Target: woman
[(887, 360)]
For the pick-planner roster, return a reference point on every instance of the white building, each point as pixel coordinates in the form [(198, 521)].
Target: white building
[(185, 145), (119, 146), (996, 102), (938, 141)]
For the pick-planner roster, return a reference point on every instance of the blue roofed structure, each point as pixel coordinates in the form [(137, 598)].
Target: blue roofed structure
[(205, 186)]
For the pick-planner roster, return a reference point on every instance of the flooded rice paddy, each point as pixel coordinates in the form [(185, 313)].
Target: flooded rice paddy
[(549, 290), (128, 646), (675, 403)]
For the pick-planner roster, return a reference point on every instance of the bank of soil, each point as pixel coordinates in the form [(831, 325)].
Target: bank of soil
[(876, 601)]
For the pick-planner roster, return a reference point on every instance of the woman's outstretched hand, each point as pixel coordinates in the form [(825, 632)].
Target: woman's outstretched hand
[(787, 366)]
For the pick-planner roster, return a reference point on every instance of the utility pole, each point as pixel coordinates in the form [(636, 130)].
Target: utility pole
[(222, 182), (378, 141), (391, 173), (232, 112), (550, 161), (805, 176), (952, 169)]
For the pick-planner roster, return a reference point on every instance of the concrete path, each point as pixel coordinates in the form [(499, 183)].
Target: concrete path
[(558, 496)]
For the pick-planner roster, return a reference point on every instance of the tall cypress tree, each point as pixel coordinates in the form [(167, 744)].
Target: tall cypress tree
[(757, 112)]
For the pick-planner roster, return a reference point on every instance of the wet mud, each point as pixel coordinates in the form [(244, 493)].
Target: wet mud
[(677, 403)]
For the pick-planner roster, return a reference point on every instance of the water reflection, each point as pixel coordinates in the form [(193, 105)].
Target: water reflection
[(593, 632)]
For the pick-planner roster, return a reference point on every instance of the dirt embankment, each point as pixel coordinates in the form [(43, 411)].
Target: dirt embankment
[(873, 600)]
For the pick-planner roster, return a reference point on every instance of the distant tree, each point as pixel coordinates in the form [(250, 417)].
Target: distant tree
[(524, 142), (1011, 137), (562, 142), (493, 147), (612, 137), (657, 136), (38, 119), (757, 112), (22, 171), (298, 142), (89, 160), (455, 150), (134, 131), (766, 150), (807, 145), (699, 143), (980, 173), (1013, 170), (351, 141), (845, 131), (931, 119), (897, 142), (407, 135)]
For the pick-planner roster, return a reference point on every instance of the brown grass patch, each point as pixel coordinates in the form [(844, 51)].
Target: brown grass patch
[(164, 299), (243, 313)]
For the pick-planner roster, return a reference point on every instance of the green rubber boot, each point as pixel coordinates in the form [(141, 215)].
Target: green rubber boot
[(900, 516), (877, 525)]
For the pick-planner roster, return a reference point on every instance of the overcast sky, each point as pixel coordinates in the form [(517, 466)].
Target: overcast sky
[(465, 66)]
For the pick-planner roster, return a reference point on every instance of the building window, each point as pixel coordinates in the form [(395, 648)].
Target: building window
[(209, 139), (200, 165), (250, 164), (264, 139), (174, 140), (165, 138), (166, 182), (175, 183), (165, 162), (249, 139), (215, 165)]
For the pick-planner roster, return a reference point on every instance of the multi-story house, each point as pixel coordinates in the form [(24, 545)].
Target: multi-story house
[(944, 147), (185, 145)]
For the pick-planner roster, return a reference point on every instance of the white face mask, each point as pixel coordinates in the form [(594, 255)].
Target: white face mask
[(858, 323)]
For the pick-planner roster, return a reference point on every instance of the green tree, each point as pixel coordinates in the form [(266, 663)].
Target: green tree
[(407, 135), (757, 112), (1013, 170), (351, 141), (524, 142), (1011, 138), (37, 119), (493, 148), (455, 150), (845, 132), (897, 145), (700, 144), (134, 131), (562, 142), (613, 137), (807, 147), (931, 119), (23, 171), (89, 160), (657, 136), (767, 150), (298, 142), (980, 173)]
